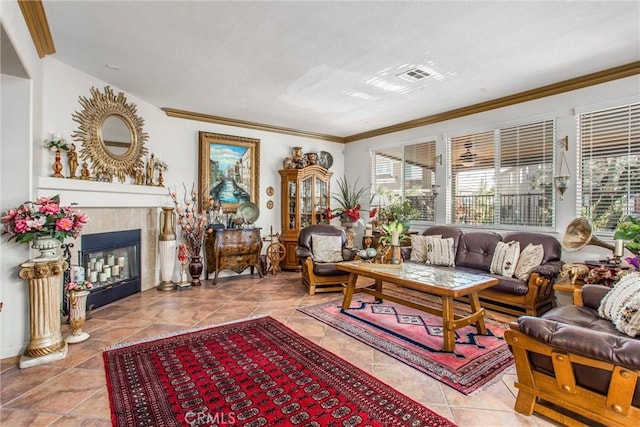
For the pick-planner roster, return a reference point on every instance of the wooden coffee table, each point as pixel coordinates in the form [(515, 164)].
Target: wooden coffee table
[(445, 283)]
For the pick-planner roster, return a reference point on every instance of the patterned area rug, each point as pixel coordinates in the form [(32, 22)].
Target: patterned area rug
[(254, 372), (415, 338)]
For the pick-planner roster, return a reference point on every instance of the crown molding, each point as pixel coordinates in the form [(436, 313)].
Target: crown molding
[(587, 80), (172, 112), (36, 19)]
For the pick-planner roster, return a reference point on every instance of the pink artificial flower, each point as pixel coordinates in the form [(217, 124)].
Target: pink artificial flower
[(81, 217), (64, 224), (50, 209), (21, 226), (43, 201), (10, 216), (36, 223)]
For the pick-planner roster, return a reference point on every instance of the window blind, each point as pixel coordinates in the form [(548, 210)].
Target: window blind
[(609, 159), (504, 176)]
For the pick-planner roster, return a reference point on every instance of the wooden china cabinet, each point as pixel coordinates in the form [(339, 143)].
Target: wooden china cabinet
[(305, 196)]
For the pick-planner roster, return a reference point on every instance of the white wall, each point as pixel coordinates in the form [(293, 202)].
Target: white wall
[(562, 107), (46, 104)]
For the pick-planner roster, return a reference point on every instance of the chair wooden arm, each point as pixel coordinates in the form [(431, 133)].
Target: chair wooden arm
[(537, 389)]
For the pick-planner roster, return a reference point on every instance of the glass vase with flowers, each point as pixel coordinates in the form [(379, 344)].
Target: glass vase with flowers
[(44, 223), (192, 223)]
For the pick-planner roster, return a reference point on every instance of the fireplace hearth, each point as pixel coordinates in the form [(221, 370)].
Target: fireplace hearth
[(112, 263)]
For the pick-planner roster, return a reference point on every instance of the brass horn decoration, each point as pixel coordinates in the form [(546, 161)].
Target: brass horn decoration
[(579, 233), (111, 134)]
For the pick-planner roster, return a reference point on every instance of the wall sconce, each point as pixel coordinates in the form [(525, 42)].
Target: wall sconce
[(439, 159), (435, 189), (562, 178)]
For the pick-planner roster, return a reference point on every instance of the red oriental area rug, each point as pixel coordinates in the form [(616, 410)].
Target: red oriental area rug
[(415, 338), (254, 372)]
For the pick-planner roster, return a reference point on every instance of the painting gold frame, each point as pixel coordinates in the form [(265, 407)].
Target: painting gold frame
[(228, 170)]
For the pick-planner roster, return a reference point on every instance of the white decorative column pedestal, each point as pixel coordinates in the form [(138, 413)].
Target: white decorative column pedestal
[(45, 298), (167, 249)]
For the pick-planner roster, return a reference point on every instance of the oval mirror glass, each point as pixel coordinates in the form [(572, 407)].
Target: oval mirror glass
[(116, 135)]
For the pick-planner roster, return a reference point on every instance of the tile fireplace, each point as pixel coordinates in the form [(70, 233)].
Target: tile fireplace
[(112, 263)]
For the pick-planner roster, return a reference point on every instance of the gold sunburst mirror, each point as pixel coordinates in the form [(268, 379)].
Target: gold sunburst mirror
[(111, 134)]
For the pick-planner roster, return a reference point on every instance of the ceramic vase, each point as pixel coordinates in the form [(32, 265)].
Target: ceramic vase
[(48, 247), (57, 166), (350, 232), (195, 270), (77, 316), (167, 248)]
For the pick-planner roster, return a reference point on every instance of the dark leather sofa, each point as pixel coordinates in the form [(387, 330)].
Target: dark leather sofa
[(474, 252), (570, 359)]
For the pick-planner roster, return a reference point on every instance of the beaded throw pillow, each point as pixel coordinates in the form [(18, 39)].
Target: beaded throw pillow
[(419, 248), (530, 257), (621, 304), (505, 258)]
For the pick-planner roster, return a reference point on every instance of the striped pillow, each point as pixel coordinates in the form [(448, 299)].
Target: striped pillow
[(419, 248), (440, 251), (621, 305)]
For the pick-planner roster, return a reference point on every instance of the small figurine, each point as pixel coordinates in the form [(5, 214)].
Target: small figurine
[(151, 166), (72, 157), (84, 173)]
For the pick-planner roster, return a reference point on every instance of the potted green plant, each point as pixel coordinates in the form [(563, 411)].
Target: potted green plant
[(386, 234), (628, 229), (401, 211)]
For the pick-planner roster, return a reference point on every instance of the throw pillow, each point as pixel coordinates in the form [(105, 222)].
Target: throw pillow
[(326, 248), (530, 257), (621, 305), (419, 248), (440, 251), (505, 258)]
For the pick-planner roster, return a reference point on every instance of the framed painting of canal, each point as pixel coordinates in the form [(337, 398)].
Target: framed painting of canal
[(228, 170)]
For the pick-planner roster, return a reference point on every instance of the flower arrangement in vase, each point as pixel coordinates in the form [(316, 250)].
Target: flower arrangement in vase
[(192, 223), (78, 293), (183, 260), (43, 222), (348, 199)]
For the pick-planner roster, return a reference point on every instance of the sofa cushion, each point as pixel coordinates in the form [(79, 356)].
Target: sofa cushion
[(445, 231), (570, 335), (505, 258), (506, 285), (327, 248), (551, 246), (327, 269), (440, 251), (476, 248), (621, 304), (530, 257)]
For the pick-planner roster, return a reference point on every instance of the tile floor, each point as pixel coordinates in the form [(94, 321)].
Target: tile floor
[(72, 391)]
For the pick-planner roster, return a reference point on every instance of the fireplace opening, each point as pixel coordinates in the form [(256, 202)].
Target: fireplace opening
[(111, 263)]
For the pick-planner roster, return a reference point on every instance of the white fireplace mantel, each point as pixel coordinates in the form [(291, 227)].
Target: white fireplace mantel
[(95, 194)]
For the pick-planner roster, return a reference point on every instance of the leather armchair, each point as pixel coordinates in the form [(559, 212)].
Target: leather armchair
[(571, 363), (321, 276)]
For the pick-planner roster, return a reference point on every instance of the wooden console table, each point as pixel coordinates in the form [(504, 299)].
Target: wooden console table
[(234, 249)]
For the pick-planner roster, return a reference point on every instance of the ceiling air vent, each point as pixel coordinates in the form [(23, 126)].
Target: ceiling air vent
[(414, 75)]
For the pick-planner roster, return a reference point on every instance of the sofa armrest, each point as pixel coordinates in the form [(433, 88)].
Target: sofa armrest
[(624, 351), (593, 294), (549, 269), (303, 253), (349, 254), (405, 252)]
